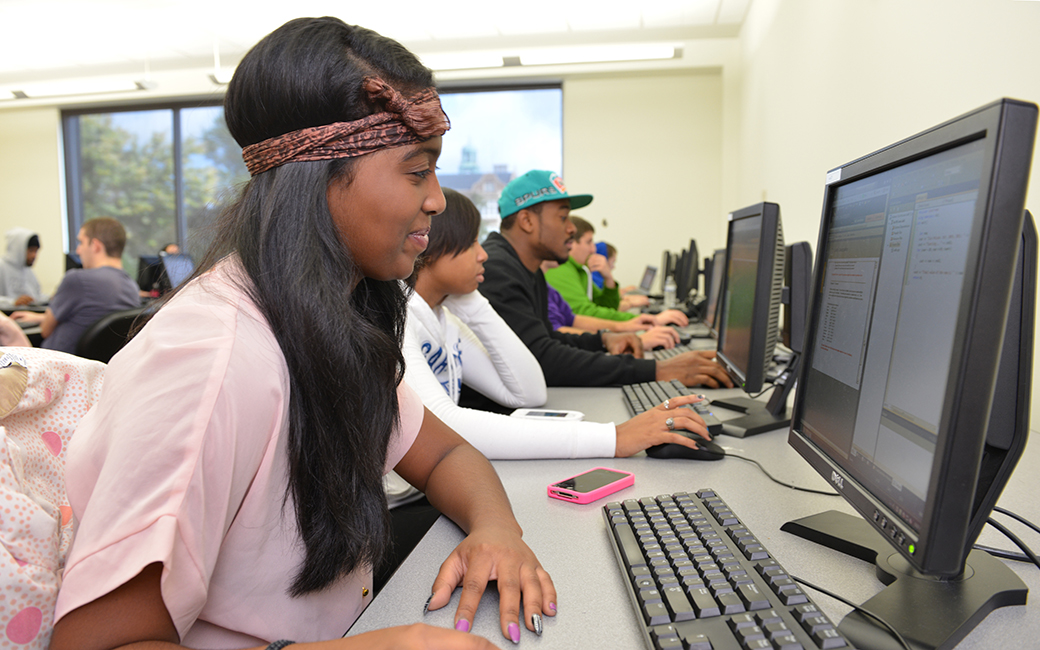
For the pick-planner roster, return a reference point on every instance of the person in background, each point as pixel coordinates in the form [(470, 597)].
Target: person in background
[(453, 336), (563, 319), (228, 485), (571, 278), (18, 284), (170, 249), (85, 295), (535, 210)]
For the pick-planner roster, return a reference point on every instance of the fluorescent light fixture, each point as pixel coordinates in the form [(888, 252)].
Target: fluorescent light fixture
[(462, 60), (6, 94), (221, 77), (80, 87), (597, 54)]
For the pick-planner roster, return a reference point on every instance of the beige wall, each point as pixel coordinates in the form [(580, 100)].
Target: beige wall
[(649, 149), (31, 185), (826, 82)]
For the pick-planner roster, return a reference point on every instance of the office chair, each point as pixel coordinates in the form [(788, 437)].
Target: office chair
[(107, 335)]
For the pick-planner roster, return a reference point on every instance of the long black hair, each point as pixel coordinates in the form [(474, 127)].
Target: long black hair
[(340, 332)]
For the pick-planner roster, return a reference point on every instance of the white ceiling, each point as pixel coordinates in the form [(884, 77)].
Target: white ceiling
[(53, 39)]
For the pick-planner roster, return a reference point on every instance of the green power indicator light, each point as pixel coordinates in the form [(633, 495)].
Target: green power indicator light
[(912, 549)]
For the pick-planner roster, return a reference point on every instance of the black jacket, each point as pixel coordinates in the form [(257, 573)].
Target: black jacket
[(521, 299)]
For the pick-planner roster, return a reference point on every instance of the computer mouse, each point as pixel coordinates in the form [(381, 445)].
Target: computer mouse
[(708, 450)]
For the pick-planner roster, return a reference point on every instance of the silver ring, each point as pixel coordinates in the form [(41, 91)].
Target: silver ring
[(666, 405), (670, 423)]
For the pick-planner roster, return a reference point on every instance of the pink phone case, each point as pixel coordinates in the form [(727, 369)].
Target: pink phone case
[(572, 496)]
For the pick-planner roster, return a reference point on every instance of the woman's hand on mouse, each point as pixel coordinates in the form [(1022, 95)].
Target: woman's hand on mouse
[(651, 427)]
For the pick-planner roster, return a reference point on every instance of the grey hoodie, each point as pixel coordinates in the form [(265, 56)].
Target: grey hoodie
[(17, 279)]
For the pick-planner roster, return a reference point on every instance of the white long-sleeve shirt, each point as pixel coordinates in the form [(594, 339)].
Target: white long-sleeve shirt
[(465, 340)]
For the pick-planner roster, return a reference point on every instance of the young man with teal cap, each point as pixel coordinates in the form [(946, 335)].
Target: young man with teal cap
[(536, 226)]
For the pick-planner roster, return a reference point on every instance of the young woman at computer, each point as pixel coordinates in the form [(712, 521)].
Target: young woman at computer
[(454, 336), (228, 485)]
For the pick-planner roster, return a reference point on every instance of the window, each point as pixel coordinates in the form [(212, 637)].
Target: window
[(165, 172), (495, 136), (162, 172)]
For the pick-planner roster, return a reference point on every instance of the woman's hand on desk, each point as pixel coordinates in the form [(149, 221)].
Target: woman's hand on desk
[(696, 368), (496, 553), (650, 427)]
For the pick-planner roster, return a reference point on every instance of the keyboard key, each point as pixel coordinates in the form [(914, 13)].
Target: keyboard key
[(828, 639), (655, 613)]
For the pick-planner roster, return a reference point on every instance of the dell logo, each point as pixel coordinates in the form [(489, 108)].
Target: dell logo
[(837, 480)]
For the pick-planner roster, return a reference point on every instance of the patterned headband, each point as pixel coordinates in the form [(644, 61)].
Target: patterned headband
[(405, 121)]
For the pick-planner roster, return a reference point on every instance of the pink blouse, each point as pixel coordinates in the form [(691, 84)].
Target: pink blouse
[(183, 461)]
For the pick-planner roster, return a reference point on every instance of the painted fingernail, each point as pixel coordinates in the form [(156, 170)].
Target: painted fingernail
[(426, 607), (514, 632), (552, 606), (536, 621), (462, 625)]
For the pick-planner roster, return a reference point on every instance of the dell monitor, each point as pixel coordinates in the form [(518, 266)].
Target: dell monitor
[(797, 282), (749, 325), (690, 285), (716, 278), (685, 272), (667, 267), (922, 303)]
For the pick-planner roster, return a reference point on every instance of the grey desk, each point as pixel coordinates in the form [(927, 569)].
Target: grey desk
[(571, 540)]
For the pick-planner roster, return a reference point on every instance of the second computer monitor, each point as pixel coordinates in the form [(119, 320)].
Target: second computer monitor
[(716, 280), (750, 318)]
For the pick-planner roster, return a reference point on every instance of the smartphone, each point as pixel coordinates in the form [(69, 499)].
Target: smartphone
[(591, 485), (547, 414)]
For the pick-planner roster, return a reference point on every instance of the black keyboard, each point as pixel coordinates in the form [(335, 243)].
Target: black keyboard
[(700, 580), (647, 395)]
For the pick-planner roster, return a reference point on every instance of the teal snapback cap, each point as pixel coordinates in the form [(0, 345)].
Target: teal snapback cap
[(534, 187)]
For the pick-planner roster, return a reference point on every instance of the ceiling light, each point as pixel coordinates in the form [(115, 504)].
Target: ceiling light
[(462, 60), (80, 87), (597, 54), (220, 76)]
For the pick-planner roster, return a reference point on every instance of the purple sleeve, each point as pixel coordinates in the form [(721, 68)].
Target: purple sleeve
[(560, 314)]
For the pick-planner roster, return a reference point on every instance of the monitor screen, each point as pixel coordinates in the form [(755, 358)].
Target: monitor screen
[(910, 297), (177, 269), (750, 318), (149, 271), (716, 277), (648, 278)]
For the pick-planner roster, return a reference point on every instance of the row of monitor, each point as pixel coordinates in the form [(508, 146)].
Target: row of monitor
[(912, 349)]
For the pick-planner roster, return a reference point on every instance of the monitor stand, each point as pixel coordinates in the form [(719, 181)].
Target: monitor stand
[(759, 417), (930, 613)]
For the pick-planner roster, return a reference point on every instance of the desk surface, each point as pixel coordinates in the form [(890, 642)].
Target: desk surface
[(571, 540)]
